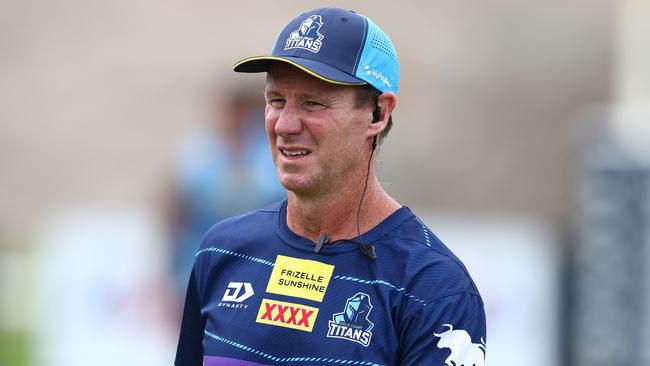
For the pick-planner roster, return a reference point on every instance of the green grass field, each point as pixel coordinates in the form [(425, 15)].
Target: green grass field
[(13, 348)]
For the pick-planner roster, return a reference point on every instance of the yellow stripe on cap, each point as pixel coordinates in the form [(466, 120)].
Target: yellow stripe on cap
[(273, 58)]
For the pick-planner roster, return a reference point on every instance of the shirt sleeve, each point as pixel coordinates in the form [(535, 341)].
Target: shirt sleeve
[(190, 342), (447, 331)]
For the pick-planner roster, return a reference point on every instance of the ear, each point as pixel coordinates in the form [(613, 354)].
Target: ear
[(387, 102)]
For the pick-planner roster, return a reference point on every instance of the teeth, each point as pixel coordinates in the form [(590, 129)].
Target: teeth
[(295, 152)]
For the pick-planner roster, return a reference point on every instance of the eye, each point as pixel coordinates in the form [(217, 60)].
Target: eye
[(276, 102), (313, 105)]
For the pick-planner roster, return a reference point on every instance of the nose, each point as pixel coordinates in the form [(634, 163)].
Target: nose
[(289, 121)]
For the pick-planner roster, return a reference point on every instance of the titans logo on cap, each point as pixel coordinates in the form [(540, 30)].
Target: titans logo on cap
[(307, 37)]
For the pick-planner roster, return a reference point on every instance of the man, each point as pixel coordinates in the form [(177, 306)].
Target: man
[(340, 272)]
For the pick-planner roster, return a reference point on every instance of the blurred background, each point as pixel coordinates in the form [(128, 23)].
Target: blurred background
[(521, 137)]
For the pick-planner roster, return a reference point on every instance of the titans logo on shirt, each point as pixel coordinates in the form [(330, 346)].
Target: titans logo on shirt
[(352, 324)]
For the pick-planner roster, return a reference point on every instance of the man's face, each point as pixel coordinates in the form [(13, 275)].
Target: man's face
[(318, 138)]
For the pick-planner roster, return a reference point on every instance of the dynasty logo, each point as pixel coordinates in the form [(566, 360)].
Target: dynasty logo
[(286, 314), (353, 324), (234, 296)]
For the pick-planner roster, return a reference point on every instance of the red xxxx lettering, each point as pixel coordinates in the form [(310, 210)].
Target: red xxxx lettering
[(281, 311), (269, 309), (305, 317), (292, 318)]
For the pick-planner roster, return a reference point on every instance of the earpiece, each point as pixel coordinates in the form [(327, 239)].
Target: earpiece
[(376, 114)]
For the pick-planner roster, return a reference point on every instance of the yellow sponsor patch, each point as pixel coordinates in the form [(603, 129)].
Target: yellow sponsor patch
[(302, 278), (286, 314)]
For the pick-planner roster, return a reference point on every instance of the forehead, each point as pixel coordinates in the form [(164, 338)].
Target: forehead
[(285, 77)]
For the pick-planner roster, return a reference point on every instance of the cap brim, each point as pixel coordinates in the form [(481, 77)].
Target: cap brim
[(314, 68)]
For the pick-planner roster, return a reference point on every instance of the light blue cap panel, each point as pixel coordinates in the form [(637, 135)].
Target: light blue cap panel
[(378, 64)]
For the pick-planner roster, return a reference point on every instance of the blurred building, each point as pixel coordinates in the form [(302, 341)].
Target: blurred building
[(609, 317), (610, 297)]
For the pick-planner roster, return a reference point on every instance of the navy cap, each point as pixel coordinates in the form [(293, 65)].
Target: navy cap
[(335, 45)]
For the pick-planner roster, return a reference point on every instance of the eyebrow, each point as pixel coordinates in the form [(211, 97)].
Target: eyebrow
[(271, 92)]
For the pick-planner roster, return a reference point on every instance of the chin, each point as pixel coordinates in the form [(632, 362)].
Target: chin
[(293, 186), (297, 184)]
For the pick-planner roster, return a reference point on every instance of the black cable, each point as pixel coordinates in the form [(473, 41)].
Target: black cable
[(367, 249)]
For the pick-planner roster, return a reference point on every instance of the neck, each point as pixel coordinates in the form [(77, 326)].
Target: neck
[(336, 214)]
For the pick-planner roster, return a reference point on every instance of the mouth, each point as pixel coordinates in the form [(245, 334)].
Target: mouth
[(293, 153)]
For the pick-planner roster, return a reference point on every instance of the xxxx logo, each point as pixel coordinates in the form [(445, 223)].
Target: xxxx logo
[(286, 314)]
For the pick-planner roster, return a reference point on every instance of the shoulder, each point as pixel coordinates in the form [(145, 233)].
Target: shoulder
[(426, 264), (257, 223)]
